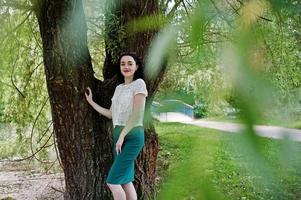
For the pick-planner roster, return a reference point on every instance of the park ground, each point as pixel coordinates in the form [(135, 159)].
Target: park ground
[(193, 163)]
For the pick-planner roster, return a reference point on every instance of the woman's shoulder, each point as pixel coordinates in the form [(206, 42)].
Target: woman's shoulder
[(140, 81)]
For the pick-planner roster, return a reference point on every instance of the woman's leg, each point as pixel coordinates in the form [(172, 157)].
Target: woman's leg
[(118, 192), (130, 191)]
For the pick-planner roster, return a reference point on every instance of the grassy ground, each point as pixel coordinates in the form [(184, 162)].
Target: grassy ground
[(297, 125), (199, 163)]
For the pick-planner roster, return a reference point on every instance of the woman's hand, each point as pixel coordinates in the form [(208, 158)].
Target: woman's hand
[(89, 96), (119, 144)]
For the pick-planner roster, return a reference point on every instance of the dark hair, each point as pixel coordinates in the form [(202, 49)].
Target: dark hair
[(138, 73)]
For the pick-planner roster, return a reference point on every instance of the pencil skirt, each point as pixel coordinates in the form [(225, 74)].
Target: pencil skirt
[(122, 170)]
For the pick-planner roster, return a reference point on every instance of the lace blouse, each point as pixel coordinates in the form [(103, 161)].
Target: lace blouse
[(122, 101)]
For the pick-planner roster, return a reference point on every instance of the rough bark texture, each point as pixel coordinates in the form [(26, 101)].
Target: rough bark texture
[(83, 137)]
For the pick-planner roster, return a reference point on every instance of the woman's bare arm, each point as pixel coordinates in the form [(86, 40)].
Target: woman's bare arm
[(103, 111)]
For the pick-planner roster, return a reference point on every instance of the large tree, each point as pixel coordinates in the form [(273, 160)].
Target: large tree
[(83, 137)]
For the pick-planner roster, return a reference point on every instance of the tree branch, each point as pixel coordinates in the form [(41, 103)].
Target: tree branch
[(242, 4), (31, 73), (57, 152), (31, 136), (14, 29), (16, 5), (12, 80), (233, 8), (221, 14), (189, 4), (33, 127), (174, 8), (185, 8), (35, 35)]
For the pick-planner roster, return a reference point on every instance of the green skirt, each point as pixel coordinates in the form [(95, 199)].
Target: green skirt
[(122, 170)]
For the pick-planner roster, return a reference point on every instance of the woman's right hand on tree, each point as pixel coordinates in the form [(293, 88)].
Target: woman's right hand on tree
[(89, 96)]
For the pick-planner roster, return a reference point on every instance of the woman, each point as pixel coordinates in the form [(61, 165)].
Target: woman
[(126, 112)]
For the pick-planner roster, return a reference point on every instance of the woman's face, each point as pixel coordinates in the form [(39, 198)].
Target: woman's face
[(128, 66)]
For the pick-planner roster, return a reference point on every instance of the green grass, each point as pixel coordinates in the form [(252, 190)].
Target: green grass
[(222, 119), (297, 124), (199, 163)]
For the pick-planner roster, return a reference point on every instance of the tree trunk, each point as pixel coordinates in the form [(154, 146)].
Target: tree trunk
[(83, 136)]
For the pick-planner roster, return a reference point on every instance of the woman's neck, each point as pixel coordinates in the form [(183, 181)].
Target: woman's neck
[(128, 80)]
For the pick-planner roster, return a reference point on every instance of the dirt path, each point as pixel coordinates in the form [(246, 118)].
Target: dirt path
[(24, 181)]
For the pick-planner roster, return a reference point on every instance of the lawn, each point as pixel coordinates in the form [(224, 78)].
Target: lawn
[(199, 163)]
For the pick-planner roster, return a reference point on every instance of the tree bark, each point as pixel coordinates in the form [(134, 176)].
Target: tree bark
[(83, 136)]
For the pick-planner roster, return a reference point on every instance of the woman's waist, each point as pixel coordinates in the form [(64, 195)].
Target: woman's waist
[(122, 126), (134, 130), (122, 121)]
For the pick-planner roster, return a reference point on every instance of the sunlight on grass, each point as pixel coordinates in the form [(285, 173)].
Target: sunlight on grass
[(189, 176)]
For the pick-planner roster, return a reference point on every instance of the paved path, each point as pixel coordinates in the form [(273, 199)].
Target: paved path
[(265, 131)]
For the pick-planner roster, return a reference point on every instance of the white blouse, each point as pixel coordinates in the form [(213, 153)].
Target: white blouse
[(123, 99)]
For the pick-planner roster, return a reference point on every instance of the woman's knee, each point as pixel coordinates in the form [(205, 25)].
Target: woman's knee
[(130, 191), (118, 192), (127, 185), (114, 187)]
